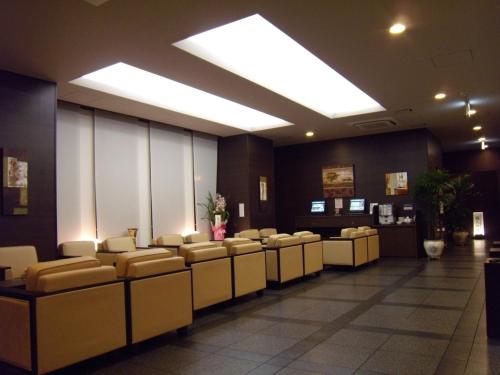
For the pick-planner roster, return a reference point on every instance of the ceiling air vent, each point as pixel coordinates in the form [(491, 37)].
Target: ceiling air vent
[(380, 124)]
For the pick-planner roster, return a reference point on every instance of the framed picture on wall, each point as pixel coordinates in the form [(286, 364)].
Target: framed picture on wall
[(338, 181), (396, 183), (15, 182), (263, 189)]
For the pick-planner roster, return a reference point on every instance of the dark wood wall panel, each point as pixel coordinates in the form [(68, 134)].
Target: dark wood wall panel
[(241, 160), (27, 122), (298, 169), (484, 168)]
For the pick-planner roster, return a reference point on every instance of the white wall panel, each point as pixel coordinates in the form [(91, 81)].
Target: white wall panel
[(171, 180), (122, 176), (205, 174), (75, 174)]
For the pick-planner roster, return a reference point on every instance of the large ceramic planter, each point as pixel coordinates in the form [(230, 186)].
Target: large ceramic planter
[(434, 248), (460, 237)]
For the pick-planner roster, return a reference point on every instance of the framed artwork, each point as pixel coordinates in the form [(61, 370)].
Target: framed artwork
[(338, 182), (263, 188), (15, 182), (396, 183)]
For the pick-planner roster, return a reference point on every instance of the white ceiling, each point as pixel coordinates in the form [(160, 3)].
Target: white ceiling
[(450, 45)]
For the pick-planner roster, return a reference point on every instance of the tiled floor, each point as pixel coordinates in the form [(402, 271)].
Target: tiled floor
[(400, 316)]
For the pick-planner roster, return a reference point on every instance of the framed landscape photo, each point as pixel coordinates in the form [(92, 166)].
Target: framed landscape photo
[(338, 181), (396, 183)]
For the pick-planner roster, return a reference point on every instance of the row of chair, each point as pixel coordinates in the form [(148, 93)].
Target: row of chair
[(354, 247)]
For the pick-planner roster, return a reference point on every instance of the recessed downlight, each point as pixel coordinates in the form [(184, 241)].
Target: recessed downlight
[(440, 96), (309, 134), (477, 128), (397, 28), (481, 139)]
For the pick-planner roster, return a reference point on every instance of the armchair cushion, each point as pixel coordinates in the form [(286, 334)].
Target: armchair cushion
[(205, 254), (364, 227), (371, 232), (124, 260), (229, 243), (307, 237), (78, 248), (245, 248), (74, 279), (186, 248), (282, 240), (346, 232), (119, 244), (266, 232), (252, 234), (357, 234), (197, 237), (18, 258), (155, 267), (170, 240), (36, 271)]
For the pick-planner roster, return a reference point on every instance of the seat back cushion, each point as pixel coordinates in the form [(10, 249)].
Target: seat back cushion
[(197, 237), (170, 240), (119, 244), (346, 232), (78, 248), (371, 232), (75, 279), (266, 232), (245, 248), (206, 254), (18, 258), (35, 271), (287, 241), (302, 233), (155, 267), (253, 234), (228, 243), (307, 238), (357, 234), (186, 248), (273, 239), (364, 227), (124, 260)]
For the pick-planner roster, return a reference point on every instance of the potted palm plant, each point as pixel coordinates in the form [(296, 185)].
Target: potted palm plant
[(458, 213), (432, 196)]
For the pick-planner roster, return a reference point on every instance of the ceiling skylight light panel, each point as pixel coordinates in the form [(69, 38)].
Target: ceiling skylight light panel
[(255, 49), (139, 85)]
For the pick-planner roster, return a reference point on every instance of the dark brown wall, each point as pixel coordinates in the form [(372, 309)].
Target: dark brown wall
[(434, 152), (299, 167), (241, 160), (484, 168), (27, 122)]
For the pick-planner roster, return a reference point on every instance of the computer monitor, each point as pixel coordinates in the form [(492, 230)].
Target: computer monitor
[(357, 205), (318, 207)]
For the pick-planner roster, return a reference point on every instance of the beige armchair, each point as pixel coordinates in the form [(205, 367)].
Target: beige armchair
[(264, 234), (159, 289), (69, 310), (373, 243), (113, 246), (211, 269), (170, 242), (312, 248), (284, 260), (77, 248), (248, 265), (350, 249), (15, 259)]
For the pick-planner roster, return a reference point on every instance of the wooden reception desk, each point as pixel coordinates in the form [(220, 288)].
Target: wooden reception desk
[(396, 240)]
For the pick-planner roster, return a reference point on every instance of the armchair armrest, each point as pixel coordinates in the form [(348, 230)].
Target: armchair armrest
[(3, 270)]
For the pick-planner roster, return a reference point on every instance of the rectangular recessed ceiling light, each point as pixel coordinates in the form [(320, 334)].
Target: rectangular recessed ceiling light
[(136, 84), (255, 49)]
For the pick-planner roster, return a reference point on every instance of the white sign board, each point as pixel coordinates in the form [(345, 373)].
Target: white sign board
[(478, 224), (241, 209)]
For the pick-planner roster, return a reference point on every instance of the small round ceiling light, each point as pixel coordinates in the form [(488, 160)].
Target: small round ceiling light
[(440, 96), (397, 28), (309, 134), (477, 128)]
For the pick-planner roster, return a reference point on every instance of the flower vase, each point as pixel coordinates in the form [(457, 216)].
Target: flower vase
[(219, 231)]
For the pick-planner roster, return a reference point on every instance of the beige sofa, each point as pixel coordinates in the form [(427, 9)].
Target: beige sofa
[(196, 237), (252, 234), (350, 249), (15, 259), (284, 260), (373, 243), (312, 248), (69, 310), (248, 265), (211, 270), (159, 296)]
